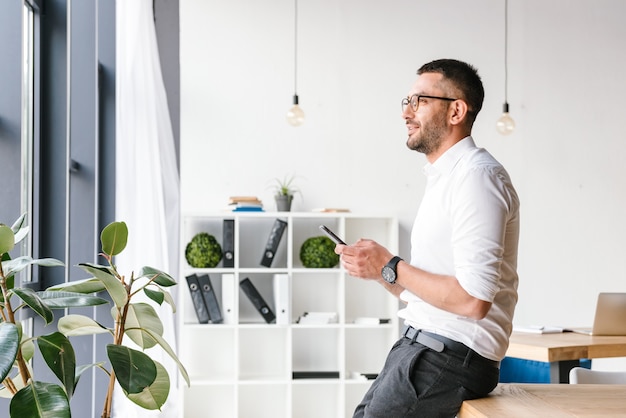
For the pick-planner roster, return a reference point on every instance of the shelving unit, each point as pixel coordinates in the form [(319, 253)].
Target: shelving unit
[(244, 367)]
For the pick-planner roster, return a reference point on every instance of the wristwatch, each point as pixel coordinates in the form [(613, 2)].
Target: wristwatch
[(389, 271)]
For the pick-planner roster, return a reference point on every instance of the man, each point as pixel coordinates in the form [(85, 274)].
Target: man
[(460, 287)]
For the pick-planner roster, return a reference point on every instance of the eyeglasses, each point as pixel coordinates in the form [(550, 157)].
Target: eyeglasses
[(416, 99)]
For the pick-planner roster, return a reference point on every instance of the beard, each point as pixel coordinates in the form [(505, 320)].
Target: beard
[(429, 136)]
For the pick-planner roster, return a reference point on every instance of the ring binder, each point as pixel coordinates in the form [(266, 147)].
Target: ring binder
[(257, 300), (272, 242), (228, 298), (210, 299), (282, 300), (228, 243), (198, 300)]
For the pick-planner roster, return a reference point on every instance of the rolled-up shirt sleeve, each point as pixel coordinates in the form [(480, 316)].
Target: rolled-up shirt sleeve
[(480, 209)]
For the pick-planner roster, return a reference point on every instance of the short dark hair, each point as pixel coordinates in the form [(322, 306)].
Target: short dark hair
[(464, 78)]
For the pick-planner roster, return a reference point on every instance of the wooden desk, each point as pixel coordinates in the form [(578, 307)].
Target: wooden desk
[(555, 401), (564, 350)]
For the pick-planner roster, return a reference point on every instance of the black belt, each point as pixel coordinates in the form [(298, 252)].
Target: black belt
[(440, 343)]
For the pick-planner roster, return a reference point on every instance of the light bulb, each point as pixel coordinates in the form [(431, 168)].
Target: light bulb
[(505, 124), (295, 115)]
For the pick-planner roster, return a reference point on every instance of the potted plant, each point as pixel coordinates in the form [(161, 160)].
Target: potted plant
[(318, 252), (143, 380), (284, 192)]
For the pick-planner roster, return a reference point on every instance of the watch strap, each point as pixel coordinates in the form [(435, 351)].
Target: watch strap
[(390, 267), (393, 263)]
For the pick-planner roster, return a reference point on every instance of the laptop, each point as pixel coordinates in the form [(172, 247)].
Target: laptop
[(610, 317)]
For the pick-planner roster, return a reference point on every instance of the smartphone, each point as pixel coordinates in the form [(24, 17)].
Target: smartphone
[(332, 235)]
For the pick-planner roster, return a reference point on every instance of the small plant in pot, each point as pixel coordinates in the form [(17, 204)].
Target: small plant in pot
[(284, 193), (143, 380)]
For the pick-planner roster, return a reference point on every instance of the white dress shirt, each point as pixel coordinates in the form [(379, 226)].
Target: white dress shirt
[(467, 226)]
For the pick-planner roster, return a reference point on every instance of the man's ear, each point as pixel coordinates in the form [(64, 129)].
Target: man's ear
[(458, 112)]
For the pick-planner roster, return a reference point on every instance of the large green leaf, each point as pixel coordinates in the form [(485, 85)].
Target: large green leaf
[(7, 239), (16, 265), (159, 295), (9, 280), (20, 229), (155, 395), (114, 237), (156, 295), (40, 400), (72, 325), (140, 317), (114, 286), (28, 349), (30, 297), (9, 344), (58, 353), (133, 369), (59, 299), (91, 285), (161, 341), (162, 278), (170, 300)]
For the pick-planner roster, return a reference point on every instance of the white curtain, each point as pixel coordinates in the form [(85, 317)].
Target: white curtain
[(147, 180)]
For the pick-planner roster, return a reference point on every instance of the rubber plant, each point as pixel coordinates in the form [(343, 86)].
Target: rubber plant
[(143, 380)]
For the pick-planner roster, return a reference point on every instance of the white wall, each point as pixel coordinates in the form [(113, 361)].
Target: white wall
[(357, 59)]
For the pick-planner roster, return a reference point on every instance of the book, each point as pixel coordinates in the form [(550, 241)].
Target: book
[(330, 210), (248, 209), (315, 374), (210, 299), (272, 242), (362, 376), (538, 329), (245, 204), (257, 300), (198, 300), (362, 320), (318, 318), (243, 199)]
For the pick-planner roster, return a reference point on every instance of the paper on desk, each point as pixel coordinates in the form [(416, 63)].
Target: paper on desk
[(538, 329)]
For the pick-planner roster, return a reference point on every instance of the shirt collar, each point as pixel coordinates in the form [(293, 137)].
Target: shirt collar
[(446, 162)]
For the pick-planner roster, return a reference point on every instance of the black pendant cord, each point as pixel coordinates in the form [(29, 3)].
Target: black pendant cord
[(506, 51), (295, 50)]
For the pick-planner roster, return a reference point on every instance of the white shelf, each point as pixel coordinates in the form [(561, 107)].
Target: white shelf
[(245, 366)]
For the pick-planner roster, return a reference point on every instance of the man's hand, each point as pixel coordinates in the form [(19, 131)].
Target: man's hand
[(364, 259)]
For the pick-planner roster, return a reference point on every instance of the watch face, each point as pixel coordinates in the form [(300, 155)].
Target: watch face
[(388, 274)]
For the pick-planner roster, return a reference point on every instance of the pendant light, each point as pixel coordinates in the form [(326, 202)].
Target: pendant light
[(505, 124), (295, 115)]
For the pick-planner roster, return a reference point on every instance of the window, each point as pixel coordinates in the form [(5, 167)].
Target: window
[(28, 126)]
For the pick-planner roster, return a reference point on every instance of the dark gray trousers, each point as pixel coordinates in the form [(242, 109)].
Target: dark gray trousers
[(417, 381)]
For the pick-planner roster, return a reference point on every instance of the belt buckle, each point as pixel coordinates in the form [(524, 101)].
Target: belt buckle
[(408, 330)]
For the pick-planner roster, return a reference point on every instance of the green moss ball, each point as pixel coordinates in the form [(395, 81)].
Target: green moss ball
[(318, 252), (203, 251)]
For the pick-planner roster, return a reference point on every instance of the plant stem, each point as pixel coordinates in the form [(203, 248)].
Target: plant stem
[(106, 412), (10, 317), (118, 337), (8, 383)]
